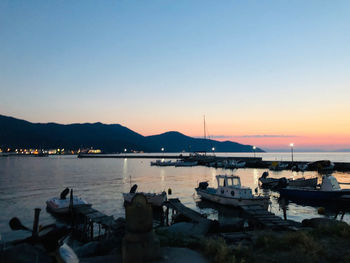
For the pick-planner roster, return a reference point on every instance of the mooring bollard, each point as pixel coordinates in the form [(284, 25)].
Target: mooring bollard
[(139, 243)]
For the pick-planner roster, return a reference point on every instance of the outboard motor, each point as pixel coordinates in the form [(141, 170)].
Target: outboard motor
[(203, 185), (64, 193), (133, 189), (265, 174)]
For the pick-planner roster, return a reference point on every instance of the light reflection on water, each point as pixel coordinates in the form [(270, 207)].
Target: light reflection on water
[(26, 183)]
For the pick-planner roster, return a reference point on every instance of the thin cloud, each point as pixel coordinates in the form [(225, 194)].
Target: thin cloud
[(266, 136)]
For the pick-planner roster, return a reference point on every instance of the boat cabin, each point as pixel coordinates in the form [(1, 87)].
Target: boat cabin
[(230, 186), (329, 183), (228, 181)]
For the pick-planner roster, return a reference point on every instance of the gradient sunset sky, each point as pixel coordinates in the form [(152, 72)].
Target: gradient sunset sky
[(265, 73)]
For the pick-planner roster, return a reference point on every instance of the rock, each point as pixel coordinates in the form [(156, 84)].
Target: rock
[(25, 253), (99, 248), (231, 224), (321, 222), (103, 259), (88, 250), (181, 255), (188, 229)]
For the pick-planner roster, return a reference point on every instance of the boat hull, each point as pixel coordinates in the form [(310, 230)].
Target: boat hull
[(61, 206), (315, 195), (153, 199), (236, 202)]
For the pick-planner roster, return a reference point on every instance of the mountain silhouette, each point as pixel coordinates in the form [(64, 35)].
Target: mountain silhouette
[(111, 138)]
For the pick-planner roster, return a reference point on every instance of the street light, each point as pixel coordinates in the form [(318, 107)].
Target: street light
[(254, 148), (162, 150), (291, 150), (213, 149)]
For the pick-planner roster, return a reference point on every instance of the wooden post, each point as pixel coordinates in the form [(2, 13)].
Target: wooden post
[(36, 221), (92, 230), (167, 215)]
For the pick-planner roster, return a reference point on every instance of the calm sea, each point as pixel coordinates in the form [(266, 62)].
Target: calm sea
[(27, 182)]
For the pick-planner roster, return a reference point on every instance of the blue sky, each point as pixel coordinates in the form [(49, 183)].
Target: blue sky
[(252, 67)]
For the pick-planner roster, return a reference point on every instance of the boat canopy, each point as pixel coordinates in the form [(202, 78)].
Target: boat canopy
[(228, 181)]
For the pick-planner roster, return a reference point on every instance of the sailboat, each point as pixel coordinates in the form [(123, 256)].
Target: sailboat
[(201, 157)]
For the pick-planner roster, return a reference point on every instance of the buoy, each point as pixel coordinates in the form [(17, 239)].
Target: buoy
[(169, 191), (321, 211)]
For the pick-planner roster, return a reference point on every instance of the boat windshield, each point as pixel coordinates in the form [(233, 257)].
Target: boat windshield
[(222, 182)]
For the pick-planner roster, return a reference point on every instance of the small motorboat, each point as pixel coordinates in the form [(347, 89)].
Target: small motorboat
[(155, 199), (275, 183), (185, 163), (240, 164), (162, 163), (328, 191), (323, 166), (230, 192), (278, 166), (62, 204)]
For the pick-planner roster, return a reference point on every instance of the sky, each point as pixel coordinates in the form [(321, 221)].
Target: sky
[(265, 73)]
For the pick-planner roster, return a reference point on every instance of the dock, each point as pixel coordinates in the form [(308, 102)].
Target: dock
[(86, 221), (266, 219), (177, 207), (259, 216)]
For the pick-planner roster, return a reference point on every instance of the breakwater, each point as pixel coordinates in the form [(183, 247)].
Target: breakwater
[(251, 162)]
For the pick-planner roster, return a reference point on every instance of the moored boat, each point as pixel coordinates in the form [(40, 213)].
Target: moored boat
[(62, 204), (162, 163), (185, 163), (155, 199), (274, 183), (328, 191), (230, 192)]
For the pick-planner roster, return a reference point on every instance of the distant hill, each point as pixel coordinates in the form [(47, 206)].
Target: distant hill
[(16, 133)]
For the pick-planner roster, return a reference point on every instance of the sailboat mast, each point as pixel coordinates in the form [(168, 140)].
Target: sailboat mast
[(205, 133)]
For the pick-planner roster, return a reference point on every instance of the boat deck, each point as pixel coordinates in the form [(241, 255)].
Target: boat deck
[(264, 217)]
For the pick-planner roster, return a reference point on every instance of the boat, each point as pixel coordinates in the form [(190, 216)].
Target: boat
[(278, 166), (323, 166), (61, 205), (274, 183), (240, 164), (230, 192), (328, 191), (183, 163), (162, 163), (155, 199)]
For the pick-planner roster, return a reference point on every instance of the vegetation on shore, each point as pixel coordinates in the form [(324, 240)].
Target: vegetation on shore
[(327, 243)]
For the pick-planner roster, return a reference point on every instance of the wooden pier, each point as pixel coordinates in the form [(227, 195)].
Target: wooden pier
[(259, 216), (86, 218), (178, 208), (262, 217)]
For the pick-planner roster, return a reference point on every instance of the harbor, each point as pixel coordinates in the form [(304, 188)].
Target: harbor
[(184, 212)]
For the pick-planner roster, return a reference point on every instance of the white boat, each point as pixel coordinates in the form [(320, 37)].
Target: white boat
[(240, 164), (155, 199), (162, 163), (278, 166), (61, 205), (230, 192), (185, 163)]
